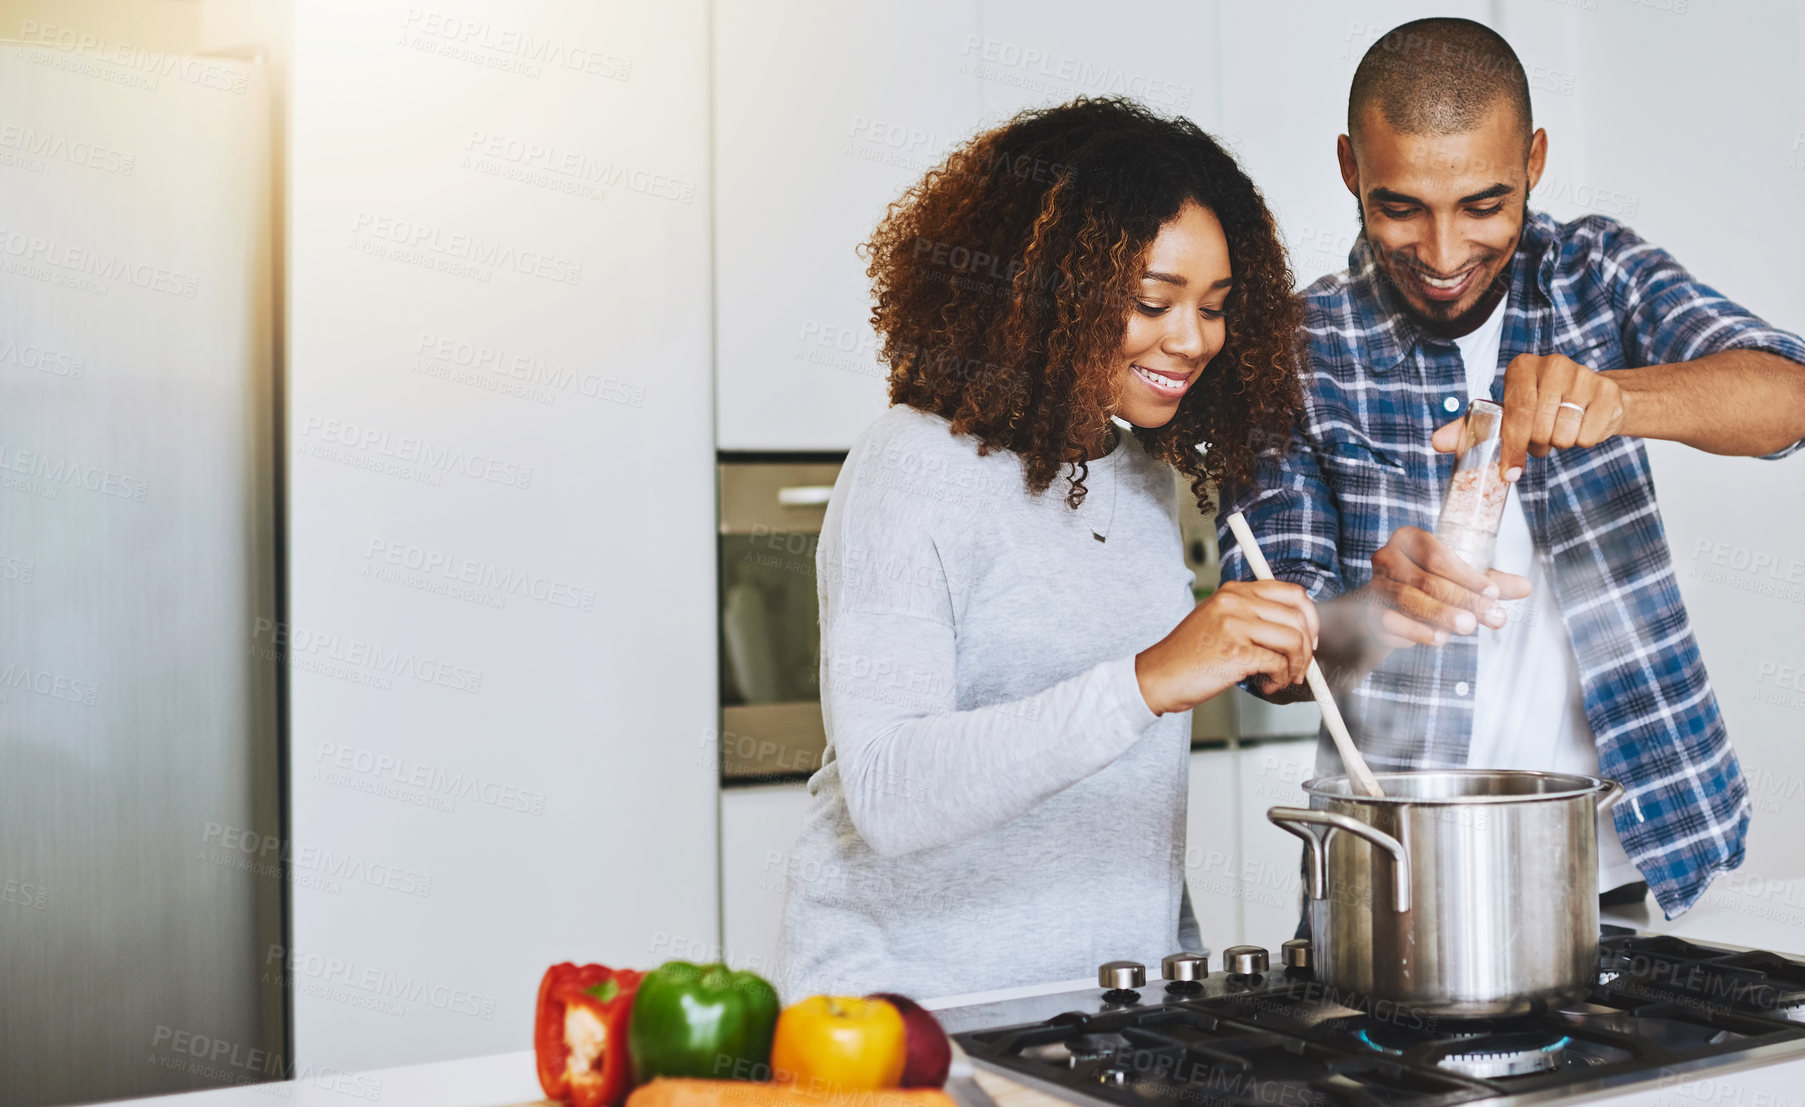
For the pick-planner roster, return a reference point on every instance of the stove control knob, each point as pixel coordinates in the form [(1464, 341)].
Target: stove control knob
[(1121, 975), (1184, 966), (1296, 953), (1245, 960)]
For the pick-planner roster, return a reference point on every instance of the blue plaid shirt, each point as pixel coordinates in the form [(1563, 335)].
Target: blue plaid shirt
[(1375, 389)]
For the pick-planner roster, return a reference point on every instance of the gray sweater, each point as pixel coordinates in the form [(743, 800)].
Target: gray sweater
[(998, 806)]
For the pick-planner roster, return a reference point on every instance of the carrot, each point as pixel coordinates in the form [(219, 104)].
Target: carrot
[(676, 1092)]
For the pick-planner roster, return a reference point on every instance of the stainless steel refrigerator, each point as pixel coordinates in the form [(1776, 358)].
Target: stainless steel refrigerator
[(142, 847)]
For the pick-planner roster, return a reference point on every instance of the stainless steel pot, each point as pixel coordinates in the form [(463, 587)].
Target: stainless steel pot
[(1465, 893)]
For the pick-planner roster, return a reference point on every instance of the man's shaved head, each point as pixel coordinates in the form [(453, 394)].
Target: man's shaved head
[(1438, 77), (1441, 156)]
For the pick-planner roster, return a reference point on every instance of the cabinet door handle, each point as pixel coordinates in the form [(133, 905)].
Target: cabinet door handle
[(805, 495)]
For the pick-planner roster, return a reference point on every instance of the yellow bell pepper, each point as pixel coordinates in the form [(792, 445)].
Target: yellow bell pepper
[(828, 1044)]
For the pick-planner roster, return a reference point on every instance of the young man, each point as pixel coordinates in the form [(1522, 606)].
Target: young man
[(1592, 340)]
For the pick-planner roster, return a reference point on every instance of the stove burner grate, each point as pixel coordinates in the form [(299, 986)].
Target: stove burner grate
[(1503, 1055), (1482, 1049)]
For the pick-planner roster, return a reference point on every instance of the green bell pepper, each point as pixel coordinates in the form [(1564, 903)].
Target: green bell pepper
[(704, 1021)]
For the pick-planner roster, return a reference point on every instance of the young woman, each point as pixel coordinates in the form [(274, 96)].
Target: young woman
[(1010, 647)]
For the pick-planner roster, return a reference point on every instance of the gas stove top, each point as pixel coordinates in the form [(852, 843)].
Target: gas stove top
[(1250, 1035)]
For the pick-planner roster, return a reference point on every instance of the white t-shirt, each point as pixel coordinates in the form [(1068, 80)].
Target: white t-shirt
[(1528, 710)]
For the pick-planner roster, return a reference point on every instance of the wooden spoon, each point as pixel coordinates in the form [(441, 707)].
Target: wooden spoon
[(1361, 776)]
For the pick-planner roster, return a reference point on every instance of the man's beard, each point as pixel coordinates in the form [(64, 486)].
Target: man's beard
[(1442, 325)]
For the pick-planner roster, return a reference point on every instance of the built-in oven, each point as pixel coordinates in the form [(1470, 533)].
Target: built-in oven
[(770, 639)]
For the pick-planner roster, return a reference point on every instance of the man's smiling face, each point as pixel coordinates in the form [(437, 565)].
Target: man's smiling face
[(1443, 211)]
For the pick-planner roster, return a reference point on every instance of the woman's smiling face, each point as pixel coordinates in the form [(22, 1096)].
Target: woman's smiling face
[(1175, 322)]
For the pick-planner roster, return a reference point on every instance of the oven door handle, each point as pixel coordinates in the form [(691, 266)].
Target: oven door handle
[(805, 495)]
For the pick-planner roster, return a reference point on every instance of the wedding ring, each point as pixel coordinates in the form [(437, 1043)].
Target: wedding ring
[(1574, 406)]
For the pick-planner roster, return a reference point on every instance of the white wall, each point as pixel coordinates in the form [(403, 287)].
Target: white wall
[(1691, 117), (451, 196)]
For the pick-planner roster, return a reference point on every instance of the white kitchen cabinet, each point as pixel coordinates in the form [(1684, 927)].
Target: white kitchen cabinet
[(1271, 774), (759, 826), (477, 732), (824, 114), (1212, 843), (1031, 53), (1242, 870)]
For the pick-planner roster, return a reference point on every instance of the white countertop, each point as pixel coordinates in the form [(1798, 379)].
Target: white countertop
[(1741, 909), (1760, 915), (498, 1080), (508, 1080)]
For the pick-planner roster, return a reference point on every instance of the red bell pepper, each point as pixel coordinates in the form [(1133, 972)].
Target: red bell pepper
[(580, 1033)]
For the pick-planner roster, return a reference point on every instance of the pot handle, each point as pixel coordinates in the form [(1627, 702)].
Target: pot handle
[(1608, 794), (1302, 822)]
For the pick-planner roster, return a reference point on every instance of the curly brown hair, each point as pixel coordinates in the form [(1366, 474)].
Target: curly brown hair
[(1002, 283)]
